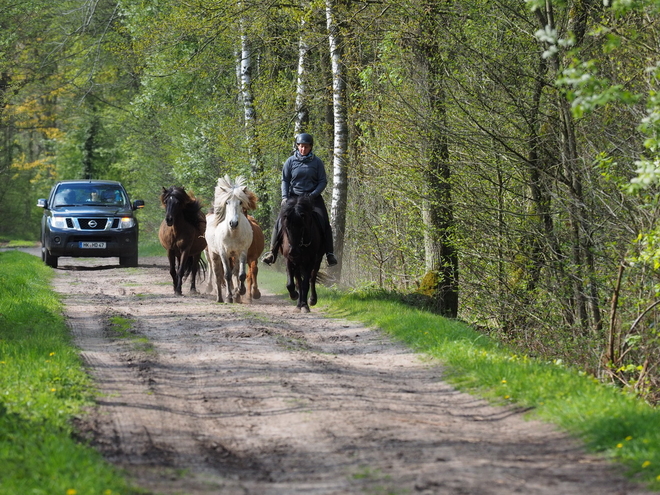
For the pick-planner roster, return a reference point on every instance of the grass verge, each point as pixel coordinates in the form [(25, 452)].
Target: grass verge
[(609, 421), (43, 386)]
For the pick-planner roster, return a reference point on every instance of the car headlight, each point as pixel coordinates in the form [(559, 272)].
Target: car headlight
[(58, 222), (127, 222)]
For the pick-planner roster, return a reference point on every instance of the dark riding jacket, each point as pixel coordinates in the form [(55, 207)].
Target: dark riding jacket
[(303, 175)]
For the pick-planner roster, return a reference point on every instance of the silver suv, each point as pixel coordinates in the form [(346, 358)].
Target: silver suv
[(89, 218)]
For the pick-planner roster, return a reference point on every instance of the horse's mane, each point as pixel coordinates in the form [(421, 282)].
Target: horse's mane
[(296, 206), (227, 188), (190, 205), (294, 210), (300, 225)]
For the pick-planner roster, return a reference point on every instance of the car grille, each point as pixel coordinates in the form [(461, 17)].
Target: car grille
[(93, 223)]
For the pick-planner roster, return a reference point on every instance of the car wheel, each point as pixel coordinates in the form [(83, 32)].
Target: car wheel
[(48, 258), (129, 261)]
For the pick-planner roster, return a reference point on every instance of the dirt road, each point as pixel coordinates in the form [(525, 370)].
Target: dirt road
[(256, 399)]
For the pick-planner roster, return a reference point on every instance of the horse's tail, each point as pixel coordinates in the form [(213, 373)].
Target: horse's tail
[(201, 267)]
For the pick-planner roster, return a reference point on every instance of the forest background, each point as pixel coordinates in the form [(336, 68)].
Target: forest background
[(496, 161)]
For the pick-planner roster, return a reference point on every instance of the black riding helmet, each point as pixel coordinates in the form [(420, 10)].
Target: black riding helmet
[(304, 138)]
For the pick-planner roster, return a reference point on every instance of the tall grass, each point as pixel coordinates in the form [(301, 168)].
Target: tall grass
[(609, 421), (43, 386)]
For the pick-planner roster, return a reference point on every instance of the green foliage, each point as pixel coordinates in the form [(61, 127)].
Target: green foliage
[(540, 136), (44, 388)]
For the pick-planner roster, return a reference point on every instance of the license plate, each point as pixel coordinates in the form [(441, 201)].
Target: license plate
[(92, 245)]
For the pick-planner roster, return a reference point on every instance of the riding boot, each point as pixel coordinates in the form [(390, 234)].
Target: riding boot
[(270, 257)]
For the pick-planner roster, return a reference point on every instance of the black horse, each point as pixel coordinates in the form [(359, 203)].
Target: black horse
[(182, 235), (302, 247)]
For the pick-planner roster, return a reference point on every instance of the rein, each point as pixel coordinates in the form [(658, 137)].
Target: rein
[(302, 240)]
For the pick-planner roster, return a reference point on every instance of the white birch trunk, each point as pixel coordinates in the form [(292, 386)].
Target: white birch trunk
[(245, 69), (302, 115), (340, 153), (249, 113)]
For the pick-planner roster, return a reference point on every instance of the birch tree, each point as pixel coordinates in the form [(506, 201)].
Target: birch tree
[(302, 111), (340, 147), (250, 121)]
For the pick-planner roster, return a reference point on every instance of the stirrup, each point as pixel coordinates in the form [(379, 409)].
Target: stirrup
[(331, 258), (269, 258)]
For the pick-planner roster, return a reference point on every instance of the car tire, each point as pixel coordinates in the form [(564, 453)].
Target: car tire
[(48, 258), (128, 261)]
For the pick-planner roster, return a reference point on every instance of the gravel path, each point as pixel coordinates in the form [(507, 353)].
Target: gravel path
[(208, 398)]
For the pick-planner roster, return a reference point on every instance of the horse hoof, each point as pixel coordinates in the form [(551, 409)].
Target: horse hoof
[(256, 294), (304, 309), (312, 302), (194, 291)]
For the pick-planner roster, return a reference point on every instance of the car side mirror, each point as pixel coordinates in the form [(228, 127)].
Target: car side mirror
[(138, 203), (42, 203)]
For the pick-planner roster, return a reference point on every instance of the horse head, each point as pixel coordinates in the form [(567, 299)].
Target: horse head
[(178, 202), (231, 199)]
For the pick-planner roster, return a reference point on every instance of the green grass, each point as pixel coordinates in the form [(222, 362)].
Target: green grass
[(152, 247), (43, 386)]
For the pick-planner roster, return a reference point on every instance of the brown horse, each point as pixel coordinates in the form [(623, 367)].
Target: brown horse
[(253, 254), (182, 235), (256, 248)]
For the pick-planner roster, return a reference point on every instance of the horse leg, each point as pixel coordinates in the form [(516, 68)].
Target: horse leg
[(209, 259), (234, 274), (181, 272), (242, 273), (193, 273), (253, 287), (290, 281), (226, 265), (312, 288), (216, 264), (304, 291), (171, 256)]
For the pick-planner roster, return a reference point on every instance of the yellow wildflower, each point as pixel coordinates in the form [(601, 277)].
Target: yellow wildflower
[(646, 464), (71, 491)]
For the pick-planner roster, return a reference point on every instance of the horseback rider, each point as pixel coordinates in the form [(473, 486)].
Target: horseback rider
[(304, 173)]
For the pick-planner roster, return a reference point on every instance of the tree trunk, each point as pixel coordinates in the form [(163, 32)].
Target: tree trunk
[(340, 148), (302, 112), (441, 257), (250, 125)]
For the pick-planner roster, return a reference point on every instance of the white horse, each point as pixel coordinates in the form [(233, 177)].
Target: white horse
[(229, 234)]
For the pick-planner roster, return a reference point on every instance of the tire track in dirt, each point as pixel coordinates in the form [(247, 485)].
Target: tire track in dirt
[(256, 399)]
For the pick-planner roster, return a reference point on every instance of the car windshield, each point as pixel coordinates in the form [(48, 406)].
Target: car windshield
[(89, 194)]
